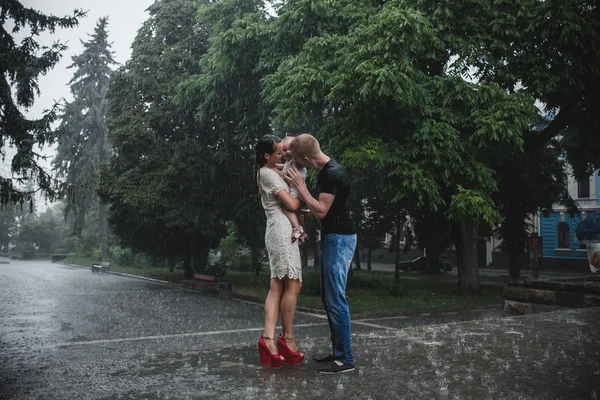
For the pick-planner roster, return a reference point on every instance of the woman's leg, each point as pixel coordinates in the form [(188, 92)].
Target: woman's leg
[(272, 304), (288, 308)]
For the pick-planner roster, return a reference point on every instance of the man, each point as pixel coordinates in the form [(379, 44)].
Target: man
[(338, 241)]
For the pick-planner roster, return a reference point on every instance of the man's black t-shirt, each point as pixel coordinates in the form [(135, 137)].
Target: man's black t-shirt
[(332, 179)]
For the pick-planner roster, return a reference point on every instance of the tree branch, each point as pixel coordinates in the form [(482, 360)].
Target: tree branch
[(560, 122)]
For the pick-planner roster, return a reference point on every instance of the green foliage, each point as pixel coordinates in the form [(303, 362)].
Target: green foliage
[(41, 234), (397, 290), (548, 50), (82, 144), (162, 183), (428, 130), (469, 203), (230, 248), (21, 65), (430, 104), (311, 285), (227, 93), (125, 257)]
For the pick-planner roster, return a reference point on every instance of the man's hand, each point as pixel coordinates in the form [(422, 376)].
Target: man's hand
[(294, 178)]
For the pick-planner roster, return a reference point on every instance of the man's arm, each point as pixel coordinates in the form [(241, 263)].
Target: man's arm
[(318, 207)]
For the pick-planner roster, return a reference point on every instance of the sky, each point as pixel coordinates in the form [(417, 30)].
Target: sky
[(125, 17)]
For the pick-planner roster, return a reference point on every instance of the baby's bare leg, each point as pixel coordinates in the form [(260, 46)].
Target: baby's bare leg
[(292, 217)]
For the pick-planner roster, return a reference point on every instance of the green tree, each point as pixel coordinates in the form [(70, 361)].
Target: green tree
[(8, 227), (82, 143), (163, 185), (388, 101), (42, 233), (550, 51), (20, 67), (373, 216), (227, 94)]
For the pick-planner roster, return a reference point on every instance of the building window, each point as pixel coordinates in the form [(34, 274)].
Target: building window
[(583, 188), (564, 236)]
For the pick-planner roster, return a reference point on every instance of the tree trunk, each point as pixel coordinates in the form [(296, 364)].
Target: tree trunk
[(187, 261), (515, 254), (369, 255), (357, 258), (103, 231), (466, 255), (515, 221), (199, 255), (397, 258), (433, 263)]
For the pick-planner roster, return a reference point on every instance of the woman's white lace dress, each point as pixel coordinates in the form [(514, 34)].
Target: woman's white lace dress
[(284, 256)]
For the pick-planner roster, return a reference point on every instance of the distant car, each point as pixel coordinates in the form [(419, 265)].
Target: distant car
[(445, 265), (420, 264)]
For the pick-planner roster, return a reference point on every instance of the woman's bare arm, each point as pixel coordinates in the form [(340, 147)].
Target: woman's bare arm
[(290, 202)]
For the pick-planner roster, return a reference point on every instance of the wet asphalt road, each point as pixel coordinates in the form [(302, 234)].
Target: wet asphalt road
[(68, 334)]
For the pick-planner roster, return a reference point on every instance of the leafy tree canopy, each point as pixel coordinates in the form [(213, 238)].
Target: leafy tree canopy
[(21, 65)]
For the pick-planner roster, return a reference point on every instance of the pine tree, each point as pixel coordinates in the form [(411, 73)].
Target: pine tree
[(82, 142), (20, 66)]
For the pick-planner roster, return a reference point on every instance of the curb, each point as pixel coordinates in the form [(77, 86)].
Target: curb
[(233, 295), (145, 278)]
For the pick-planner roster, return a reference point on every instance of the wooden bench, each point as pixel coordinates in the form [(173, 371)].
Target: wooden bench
[(209, 282), (200, 280), (104, 266)]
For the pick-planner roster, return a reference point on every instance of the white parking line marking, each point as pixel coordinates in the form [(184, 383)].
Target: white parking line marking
[(389, 328), (177, 335)]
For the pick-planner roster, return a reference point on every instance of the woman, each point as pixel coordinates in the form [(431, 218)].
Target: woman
[(284, 256)]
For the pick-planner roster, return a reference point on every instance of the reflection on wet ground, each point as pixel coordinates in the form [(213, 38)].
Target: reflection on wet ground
[(65, 333)]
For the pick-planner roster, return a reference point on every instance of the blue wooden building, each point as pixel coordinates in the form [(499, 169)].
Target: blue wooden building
[(561, 249)]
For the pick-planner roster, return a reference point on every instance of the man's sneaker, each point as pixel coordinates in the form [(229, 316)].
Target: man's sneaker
[(335, 367), (326, 359)]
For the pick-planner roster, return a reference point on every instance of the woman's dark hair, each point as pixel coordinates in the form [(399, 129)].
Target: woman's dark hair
[(266, 145)]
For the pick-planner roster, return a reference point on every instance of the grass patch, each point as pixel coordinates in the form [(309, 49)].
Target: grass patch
[(79, 260), (372, 294), (367, 293)]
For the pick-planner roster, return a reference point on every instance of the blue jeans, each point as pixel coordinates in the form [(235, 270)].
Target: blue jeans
[(337, 252)]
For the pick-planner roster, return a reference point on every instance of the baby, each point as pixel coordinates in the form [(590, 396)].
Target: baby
[(297, 220)]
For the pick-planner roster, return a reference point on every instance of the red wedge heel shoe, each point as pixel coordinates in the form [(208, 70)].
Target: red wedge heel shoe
[(291, 356), (268, 359)]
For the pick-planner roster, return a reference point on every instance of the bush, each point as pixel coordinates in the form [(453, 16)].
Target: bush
[(366, 283), (59, 257), (122, 257), (142, 260), (311, 284), (219, 269), (397, 290)]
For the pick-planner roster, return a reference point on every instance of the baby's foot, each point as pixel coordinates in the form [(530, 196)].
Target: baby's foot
[(303, 237), (297, 234)]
